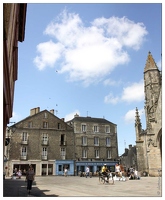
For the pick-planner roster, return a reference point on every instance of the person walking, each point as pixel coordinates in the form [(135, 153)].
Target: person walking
[(87, 171), (65, 172), (30, 178)]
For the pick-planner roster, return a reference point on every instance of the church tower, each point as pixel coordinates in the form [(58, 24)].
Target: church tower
[(148, 141), (152, 86)]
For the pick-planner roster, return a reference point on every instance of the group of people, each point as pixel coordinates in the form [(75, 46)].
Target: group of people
[(132, 173), (119, 172), (17, 173)]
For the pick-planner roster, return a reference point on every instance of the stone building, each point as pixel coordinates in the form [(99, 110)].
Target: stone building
[(96, 142), (39, 139), (14, 20), (149, 141), (129, 157)]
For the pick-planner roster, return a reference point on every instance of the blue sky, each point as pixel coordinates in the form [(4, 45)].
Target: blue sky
[(88, 59)]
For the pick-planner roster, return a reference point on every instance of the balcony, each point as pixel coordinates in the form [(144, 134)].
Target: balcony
[(44, 157), (62, 143), (63, 157), (24, 142), (45, 142), (23, 157)]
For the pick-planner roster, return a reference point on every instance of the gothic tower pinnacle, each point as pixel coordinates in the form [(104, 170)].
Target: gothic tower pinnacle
[(138, 126), (152, 85)]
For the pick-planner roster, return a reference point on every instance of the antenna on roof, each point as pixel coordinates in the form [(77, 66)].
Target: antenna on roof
[(124, 143), (87, 113)]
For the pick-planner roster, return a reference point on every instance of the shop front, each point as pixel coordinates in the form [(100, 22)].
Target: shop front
[(62, 164), (94, 166)]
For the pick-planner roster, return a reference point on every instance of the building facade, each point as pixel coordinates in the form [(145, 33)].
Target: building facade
[(14, 19), (39, 139), (129, 158), (149, 140), (95, 141)]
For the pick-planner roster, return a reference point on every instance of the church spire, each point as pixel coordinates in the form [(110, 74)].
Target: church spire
[(150, 63)]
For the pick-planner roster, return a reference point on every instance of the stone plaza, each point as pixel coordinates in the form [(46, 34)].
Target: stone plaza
[(75, 186)]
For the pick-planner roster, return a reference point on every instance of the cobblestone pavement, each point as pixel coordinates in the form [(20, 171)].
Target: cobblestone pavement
[(75, 186)]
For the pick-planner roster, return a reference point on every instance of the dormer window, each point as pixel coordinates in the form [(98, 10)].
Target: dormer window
[(45, 115)]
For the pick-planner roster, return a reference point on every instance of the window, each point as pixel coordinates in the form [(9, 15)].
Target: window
[(107, 129), (109, 154), (45, 124), (108, 142), (45, 137), (115, 129), (96, 141), (62, 151), (24, 136), (59, 126), (83, 128), (45, 115), (62, 142), (67, 166), (30, 124), (44, 151), (84, 140), (24, 151), (84, 153), (95, 128), (96, 153)]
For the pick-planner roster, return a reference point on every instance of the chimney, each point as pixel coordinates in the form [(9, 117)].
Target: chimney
[(126, 150), (63, 119), (52, 111), (34, 111), (130, 146)]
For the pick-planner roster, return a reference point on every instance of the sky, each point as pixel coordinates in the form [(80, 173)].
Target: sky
[(89, 59)]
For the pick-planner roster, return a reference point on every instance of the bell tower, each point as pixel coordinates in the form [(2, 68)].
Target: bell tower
[(152, 85)]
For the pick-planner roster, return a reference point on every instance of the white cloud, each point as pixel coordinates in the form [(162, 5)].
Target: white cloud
[(126, 32), (111, 99), (130, 115), (49, 52), (71, 115), (110, 82), (88, 54), (133, 93)]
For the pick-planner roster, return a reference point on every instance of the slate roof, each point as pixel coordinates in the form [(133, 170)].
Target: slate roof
[(90, 119)]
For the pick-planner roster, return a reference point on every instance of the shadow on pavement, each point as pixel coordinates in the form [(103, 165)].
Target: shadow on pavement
[(18, 188)]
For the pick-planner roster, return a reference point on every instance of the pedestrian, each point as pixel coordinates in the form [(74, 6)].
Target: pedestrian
[(87, 171), (19, 174), (30, 178), (117, 169), (65, 172)]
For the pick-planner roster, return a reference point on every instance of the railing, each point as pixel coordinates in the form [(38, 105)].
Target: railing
[(63, 143), (24, 142), (44, 157), (45, 142), (63, 157), (23, 157)]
